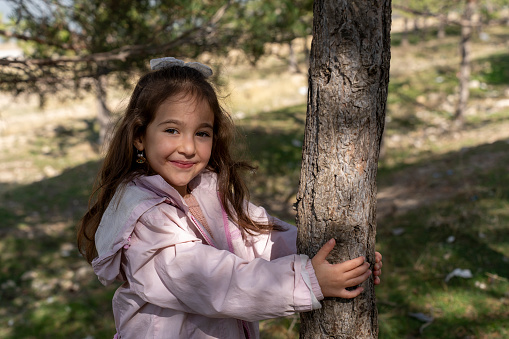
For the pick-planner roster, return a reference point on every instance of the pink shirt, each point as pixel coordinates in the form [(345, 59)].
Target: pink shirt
[(181, 281)]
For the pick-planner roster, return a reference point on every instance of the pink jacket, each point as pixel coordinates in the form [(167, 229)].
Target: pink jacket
[(179, 281)]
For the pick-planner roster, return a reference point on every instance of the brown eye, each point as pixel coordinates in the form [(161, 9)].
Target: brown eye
[(171, 131)]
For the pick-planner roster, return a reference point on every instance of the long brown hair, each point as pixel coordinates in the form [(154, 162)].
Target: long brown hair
[(119, 166)]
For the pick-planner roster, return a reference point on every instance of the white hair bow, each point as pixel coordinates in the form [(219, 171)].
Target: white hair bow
[(162, 63)]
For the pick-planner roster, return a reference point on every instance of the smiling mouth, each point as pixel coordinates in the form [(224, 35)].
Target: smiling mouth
[(183, 165)]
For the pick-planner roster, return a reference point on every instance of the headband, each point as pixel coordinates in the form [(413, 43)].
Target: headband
[(162, 63)]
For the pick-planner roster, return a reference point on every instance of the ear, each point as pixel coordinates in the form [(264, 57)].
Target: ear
[(138, 143)]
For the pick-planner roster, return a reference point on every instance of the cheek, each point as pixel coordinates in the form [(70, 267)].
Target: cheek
[(207, 150), (157, 150)]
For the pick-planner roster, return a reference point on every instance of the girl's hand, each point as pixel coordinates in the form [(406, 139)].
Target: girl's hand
[(334, 279), (377, 269)]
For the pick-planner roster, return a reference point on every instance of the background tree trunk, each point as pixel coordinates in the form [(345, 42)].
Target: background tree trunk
[(293, 63), (442, 24), (464, 73), (404, 35), (348, 81), (306, 49), (103, 113)]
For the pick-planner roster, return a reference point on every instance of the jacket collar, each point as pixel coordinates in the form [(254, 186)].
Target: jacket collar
[(206, 180)]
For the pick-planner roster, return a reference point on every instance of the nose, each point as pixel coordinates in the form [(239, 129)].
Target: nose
[(187, 146)]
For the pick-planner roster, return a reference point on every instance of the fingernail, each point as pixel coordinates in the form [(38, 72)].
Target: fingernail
[(331, 241)]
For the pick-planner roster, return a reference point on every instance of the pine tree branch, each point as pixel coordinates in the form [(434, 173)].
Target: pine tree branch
[(119, 54), (414, 11), (23, 37)]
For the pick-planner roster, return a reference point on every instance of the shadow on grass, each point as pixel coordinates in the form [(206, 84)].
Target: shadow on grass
[(496, 71), (48, 290), (67, 137), (468, 231), (424, 91), (56, 199), (274, 144)]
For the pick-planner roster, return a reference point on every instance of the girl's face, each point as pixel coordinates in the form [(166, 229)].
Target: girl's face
[(178, 142)]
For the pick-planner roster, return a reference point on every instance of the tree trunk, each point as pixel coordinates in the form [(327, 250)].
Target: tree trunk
[(416, 25), (423, 33), (442, 24), (306, 50), (42, 100), (464, 74), (404, 35), (103, 113), (348, 82), (293, 64)]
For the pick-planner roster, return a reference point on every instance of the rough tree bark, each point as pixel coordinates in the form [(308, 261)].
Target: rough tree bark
[(348, 82)]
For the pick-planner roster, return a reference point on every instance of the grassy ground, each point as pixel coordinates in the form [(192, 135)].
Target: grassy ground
[(443, 197)]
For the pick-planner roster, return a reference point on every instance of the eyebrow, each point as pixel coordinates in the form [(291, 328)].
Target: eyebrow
[(177, 122), (170, 121)]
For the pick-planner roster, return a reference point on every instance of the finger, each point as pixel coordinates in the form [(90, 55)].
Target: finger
[(357, 272), (324, 251), (377, 281), (378, 257), (353, 264), (358, 279), (377, 272), (351, 294)]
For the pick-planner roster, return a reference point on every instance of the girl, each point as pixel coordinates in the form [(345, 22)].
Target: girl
[(172, 221)]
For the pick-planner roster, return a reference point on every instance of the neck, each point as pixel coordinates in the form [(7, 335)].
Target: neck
[(183, 190)]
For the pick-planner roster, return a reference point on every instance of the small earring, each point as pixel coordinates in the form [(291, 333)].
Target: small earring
[(141, 158)]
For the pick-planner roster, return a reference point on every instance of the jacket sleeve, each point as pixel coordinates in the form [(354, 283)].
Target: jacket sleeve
[(168, 266), (278, 243)]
